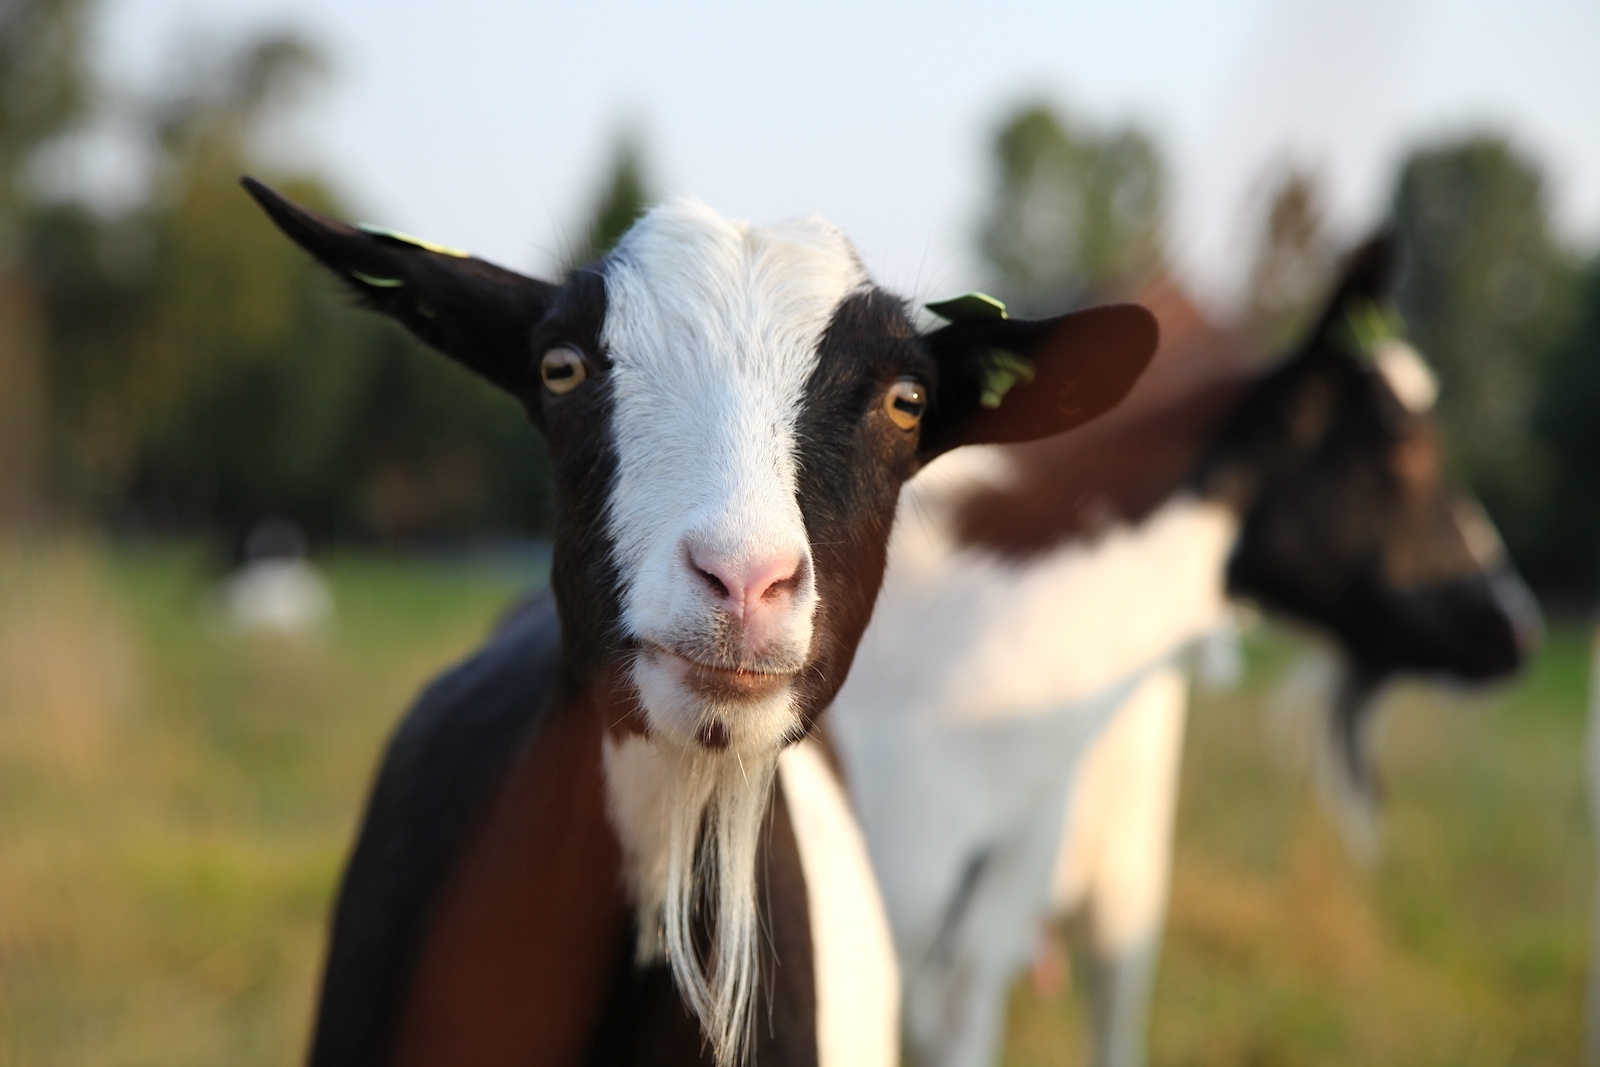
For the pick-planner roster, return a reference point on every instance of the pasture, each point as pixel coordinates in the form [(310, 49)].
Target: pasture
[(176, 799)]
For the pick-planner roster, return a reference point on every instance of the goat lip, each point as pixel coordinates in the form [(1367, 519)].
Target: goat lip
[(725, 683)]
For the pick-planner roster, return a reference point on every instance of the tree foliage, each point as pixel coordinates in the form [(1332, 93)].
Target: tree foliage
[(43, 94), (1074, 209), (1293, 261), (44, 87), (624, 196), (1486, 297), (1567, 420), (204, 374)]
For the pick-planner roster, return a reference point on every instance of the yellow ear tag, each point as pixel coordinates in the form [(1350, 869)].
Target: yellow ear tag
[(407, 239), (968, 306)]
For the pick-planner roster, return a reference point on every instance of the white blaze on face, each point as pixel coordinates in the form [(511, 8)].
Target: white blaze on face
[(712, 328), (713, 331)]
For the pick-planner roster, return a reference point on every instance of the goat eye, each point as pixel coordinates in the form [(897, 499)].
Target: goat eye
[(905, 402), (562, 369)]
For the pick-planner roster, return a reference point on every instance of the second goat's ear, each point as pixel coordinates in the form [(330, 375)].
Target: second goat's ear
[(1003, 380), (476, 313)]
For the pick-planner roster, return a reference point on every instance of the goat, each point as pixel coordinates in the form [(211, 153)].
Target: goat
[(573, 847), (1041, 597)]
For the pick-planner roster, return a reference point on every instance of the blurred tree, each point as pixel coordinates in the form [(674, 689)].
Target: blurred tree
[(207, 375), (43, 93), (1567, 559), (44, 87), (1074, 211), (1486, 296), (1293, 260), (624, 197)]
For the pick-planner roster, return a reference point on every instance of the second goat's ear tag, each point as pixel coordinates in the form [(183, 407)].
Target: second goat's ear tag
[(407, 239), (968, 306)]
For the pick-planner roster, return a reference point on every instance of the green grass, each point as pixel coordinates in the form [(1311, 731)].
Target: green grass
[(176, 800), (1465, 943)]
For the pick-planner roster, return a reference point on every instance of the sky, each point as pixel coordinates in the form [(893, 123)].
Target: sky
[(488, 124)]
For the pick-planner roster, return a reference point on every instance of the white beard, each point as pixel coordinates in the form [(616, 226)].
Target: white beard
[(659, 796)]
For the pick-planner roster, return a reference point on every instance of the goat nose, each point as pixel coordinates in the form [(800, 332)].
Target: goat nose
[(749, 584)]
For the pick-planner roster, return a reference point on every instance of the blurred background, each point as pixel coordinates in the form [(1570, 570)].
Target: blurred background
[(240, 524)]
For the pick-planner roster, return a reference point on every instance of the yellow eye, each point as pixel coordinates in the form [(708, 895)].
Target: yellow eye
[(562, 369), (905, 402)]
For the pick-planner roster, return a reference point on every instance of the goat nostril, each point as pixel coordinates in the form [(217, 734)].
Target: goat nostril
[(743, 582), (783, 586), (714, 583)]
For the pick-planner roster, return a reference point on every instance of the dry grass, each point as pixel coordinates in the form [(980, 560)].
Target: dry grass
[(175, 802), (1465, 944)]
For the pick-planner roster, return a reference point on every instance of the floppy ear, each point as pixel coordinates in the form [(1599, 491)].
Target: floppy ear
[(1003, 380), (474, 312)]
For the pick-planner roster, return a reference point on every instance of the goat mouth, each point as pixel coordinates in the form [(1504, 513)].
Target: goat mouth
[(724, 684)]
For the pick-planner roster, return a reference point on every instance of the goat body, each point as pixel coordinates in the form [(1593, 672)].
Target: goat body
[(574, 853), (1038, 611)]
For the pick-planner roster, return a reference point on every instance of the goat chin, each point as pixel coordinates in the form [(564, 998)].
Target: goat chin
[(689, 820)]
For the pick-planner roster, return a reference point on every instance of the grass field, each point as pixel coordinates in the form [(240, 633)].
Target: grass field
[(175, 801)]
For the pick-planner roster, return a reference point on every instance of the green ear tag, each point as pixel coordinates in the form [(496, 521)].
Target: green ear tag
[(415, 242), (1001, 371), (381, 283), (968, 306), (1369, 325)]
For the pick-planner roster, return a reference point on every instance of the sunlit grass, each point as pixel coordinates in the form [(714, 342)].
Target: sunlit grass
[(176, 801), (1466, 943)]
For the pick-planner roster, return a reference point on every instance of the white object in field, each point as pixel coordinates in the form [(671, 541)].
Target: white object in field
[(282, 595)]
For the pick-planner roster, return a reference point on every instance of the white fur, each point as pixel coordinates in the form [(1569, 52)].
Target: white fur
[(655, 807), (1116, 857), (857, 976), (659, 796), (1410, 377), (977, 687), (712, 328)]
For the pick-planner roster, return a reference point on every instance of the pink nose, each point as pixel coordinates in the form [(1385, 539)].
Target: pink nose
[(749, 587)]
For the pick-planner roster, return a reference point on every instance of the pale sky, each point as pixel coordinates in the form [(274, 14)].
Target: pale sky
[(486, 124)]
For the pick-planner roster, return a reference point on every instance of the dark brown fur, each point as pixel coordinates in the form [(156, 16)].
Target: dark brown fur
[(1124, 465), (516, 960)]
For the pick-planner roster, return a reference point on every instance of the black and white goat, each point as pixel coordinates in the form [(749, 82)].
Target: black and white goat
[(1012, 734), (573, 852)]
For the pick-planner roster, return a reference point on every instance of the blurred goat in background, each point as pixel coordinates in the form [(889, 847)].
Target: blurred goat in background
[(1013, 739)]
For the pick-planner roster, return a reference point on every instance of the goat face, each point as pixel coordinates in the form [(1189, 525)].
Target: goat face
[(753, 463), (1352, 525), (730, 412)]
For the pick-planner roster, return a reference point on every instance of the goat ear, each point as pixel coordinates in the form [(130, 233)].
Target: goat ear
[(1003, 380), (1364, 284), (474, 312)]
